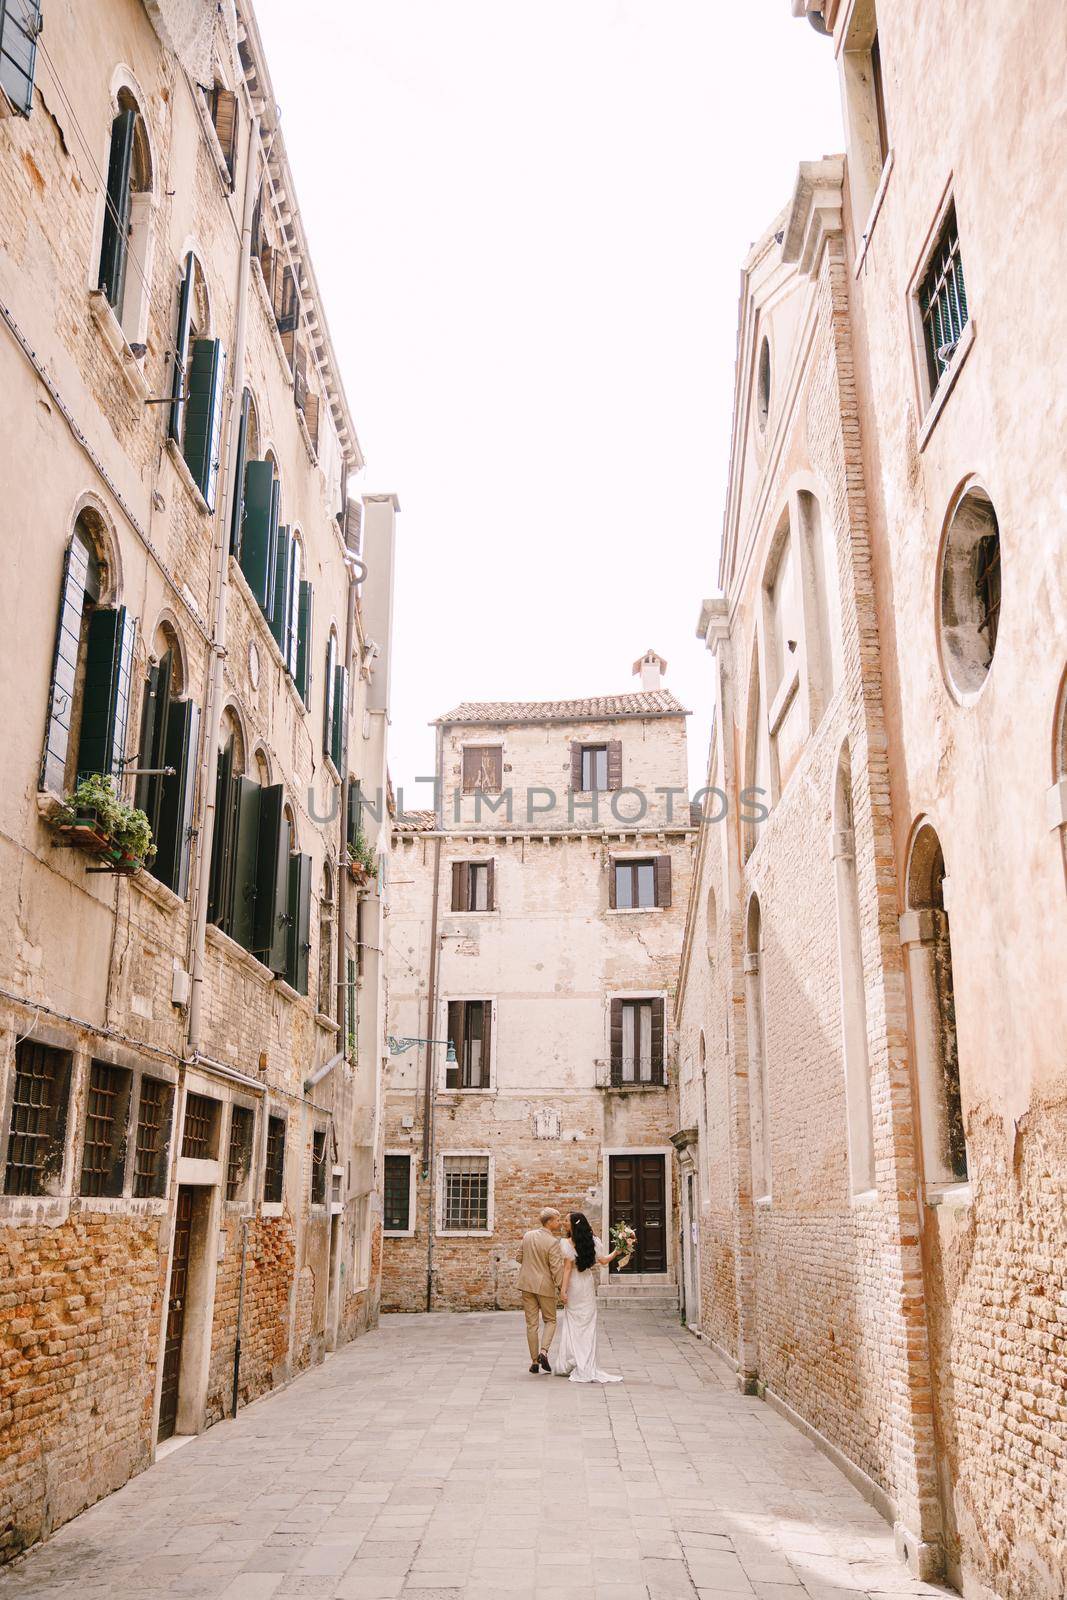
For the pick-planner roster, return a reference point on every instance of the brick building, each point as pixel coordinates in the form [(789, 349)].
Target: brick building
[(196, 621), (872, 1000), (535, 919)]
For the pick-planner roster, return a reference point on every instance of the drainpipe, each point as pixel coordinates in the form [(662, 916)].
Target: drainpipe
[(342, 851), (428, 1109), (213, 708)]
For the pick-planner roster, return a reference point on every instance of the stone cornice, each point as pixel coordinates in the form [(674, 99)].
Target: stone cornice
[(815, 214)]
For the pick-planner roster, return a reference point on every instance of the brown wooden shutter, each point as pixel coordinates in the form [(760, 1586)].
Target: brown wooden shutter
[(471, 767), (614, 763), (487, 1041), (615, 1035), (311, 417), (224, 115), (576, 767), (611, 883), (460, 901), (663, 880), (455, 1033), (658, 1075), (490, 890)]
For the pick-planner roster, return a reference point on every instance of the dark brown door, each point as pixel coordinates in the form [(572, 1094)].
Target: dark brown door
[(179, 1285), (639, 1197)]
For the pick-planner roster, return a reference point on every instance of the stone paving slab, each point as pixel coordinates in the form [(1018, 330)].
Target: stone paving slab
[(424, 1462)]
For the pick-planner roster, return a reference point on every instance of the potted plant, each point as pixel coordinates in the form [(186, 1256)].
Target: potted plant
[(362, 861), (96, 820)]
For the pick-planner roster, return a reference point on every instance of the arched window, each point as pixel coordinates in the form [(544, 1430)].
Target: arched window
[(819, 578), (125, 246), (198, 382), (756, 799), (858, 1111), (758, 1088), (763, 385), (326, 910), (167, 764), (711, 930), (969, 615), (924, 931), (92, 671), (336, 705), (248, 450)]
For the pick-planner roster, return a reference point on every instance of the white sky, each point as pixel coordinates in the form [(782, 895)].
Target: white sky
[(527, 221)]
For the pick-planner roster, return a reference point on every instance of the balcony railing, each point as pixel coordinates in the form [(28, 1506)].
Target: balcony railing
[(631, 1072)]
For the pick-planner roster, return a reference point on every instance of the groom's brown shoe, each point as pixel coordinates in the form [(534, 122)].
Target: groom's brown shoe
[(534, 1366), (542, 1362)]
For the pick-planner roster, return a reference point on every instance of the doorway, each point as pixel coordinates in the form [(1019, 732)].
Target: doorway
[(179, 1291), (638, 1195), (691, 1246)]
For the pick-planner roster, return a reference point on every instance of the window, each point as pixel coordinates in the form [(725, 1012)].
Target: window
[(396, 1209), (943, 302), (335, 711), (104, 1146), (596, 767), (170, 735), (200, 1137), (125, 255), (465, 1196), (483, 768), (640, 885), (274, 1170), (222, 109), (318, 1167), (20, 23), (197, 384), (92, 671), (469, 1028), (763, 385), (38, 1119), (970, 593), (473, 886), (858, 1109), (637, 1041), (152, 1139), (326, 997), (755, 1015), (866, 123), (239, 1155), (711, 927), (878, 88)]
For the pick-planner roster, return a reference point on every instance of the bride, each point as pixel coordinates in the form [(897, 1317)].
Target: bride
[(575, 1352)]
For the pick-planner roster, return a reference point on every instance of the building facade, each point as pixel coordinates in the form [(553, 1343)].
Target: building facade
[(535, 918), (874, 977), (196, 648)]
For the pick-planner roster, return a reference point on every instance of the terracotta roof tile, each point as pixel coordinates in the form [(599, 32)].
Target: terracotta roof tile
[(412, 821), (600, 708)]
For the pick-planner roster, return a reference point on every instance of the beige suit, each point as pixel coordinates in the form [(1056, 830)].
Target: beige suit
[(540, 1279)]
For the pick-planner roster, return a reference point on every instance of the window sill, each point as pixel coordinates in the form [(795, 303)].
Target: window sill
[(283, 987), (947, 384), (631, 911), (1055, 805), (117, 343), (326, 1023), (272, 1208), (35, 1209), (229, 947), (157, 892), (181, 467), (463, 1233), (864, 1199), (494, 913), (873, 214), (762, 1202), (398, 1233), (952, 1196), (487, 1089)]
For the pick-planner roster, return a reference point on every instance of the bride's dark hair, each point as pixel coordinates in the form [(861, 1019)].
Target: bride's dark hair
[(583, 1241)]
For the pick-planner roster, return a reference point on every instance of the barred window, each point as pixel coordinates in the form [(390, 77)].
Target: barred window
[(397, 1202), (38, 1119), (943, 301), (466, 1194), (318, 1167), (239, 1155), (200, 1140), (274, 1172), (153, 1129), (104, 1149)]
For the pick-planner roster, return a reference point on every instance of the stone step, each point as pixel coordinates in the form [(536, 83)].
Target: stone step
[(667, 1303)]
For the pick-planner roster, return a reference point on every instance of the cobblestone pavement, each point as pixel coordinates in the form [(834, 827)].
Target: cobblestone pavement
[(425, 1461)]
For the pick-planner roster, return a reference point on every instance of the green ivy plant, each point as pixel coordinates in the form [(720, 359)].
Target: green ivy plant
[(361, 855), (126, 826)]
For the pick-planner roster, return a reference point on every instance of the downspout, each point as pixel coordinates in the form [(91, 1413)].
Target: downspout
[(213, 709), (341, 991), (428, 1109)]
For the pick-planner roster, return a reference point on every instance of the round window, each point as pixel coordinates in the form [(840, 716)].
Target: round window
[(969, 600), (763, 384)]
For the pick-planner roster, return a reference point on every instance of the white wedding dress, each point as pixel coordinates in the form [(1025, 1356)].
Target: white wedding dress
[(574, 1356)]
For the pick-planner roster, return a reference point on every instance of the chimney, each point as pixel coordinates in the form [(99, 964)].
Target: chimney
[(651, 668)]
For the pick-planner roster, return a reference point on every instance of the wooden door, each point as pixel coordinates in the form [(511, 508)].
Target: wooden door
[(638, 1195), (179, 1286)]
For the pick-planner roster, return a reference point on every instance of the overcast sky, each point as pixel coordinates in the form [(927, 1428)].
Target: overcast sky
[(527, 221)]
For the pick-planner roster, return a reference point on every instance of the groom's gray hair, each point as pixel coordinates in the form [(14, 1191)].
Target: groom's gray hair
[(547, 1213)]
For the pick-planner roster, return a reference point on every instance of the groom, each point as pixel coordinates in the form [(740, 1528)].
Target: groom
[(540, 1280)]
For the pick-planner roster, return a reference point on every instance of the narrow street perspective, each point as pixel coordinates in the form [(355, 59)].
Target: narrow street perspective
[(423, 1461)]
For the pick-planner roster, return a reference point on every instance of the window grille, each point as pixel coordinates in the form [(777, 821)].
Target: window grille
[(466, 1194), (318, 1167), (274, 1172), (397, 1201), (987, 586), (943, 302), (149, 1161), (40, 1074), (104, 1128), (198, 1140), (239, 1155)]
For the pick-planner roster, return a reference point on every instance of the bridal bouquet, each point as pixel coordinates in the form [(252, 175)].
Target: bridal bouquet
[(623, 1239)]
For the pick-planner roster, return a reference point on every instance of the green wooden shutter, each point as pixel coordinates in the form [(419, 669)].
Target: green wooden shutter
[(354, 820), (114, 247), (203, 423), (175, 812), (179, 382), (350, 1005), (615, 1037), (20, 23), (299, 944), (106, 691), (339, 717), (457, 1017), (237, 509), (245, 861), (259, 531), (65, 665), (271, 922), (658, 1030), (219, 891), (154, 715), (303, 644), (278, 616)]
